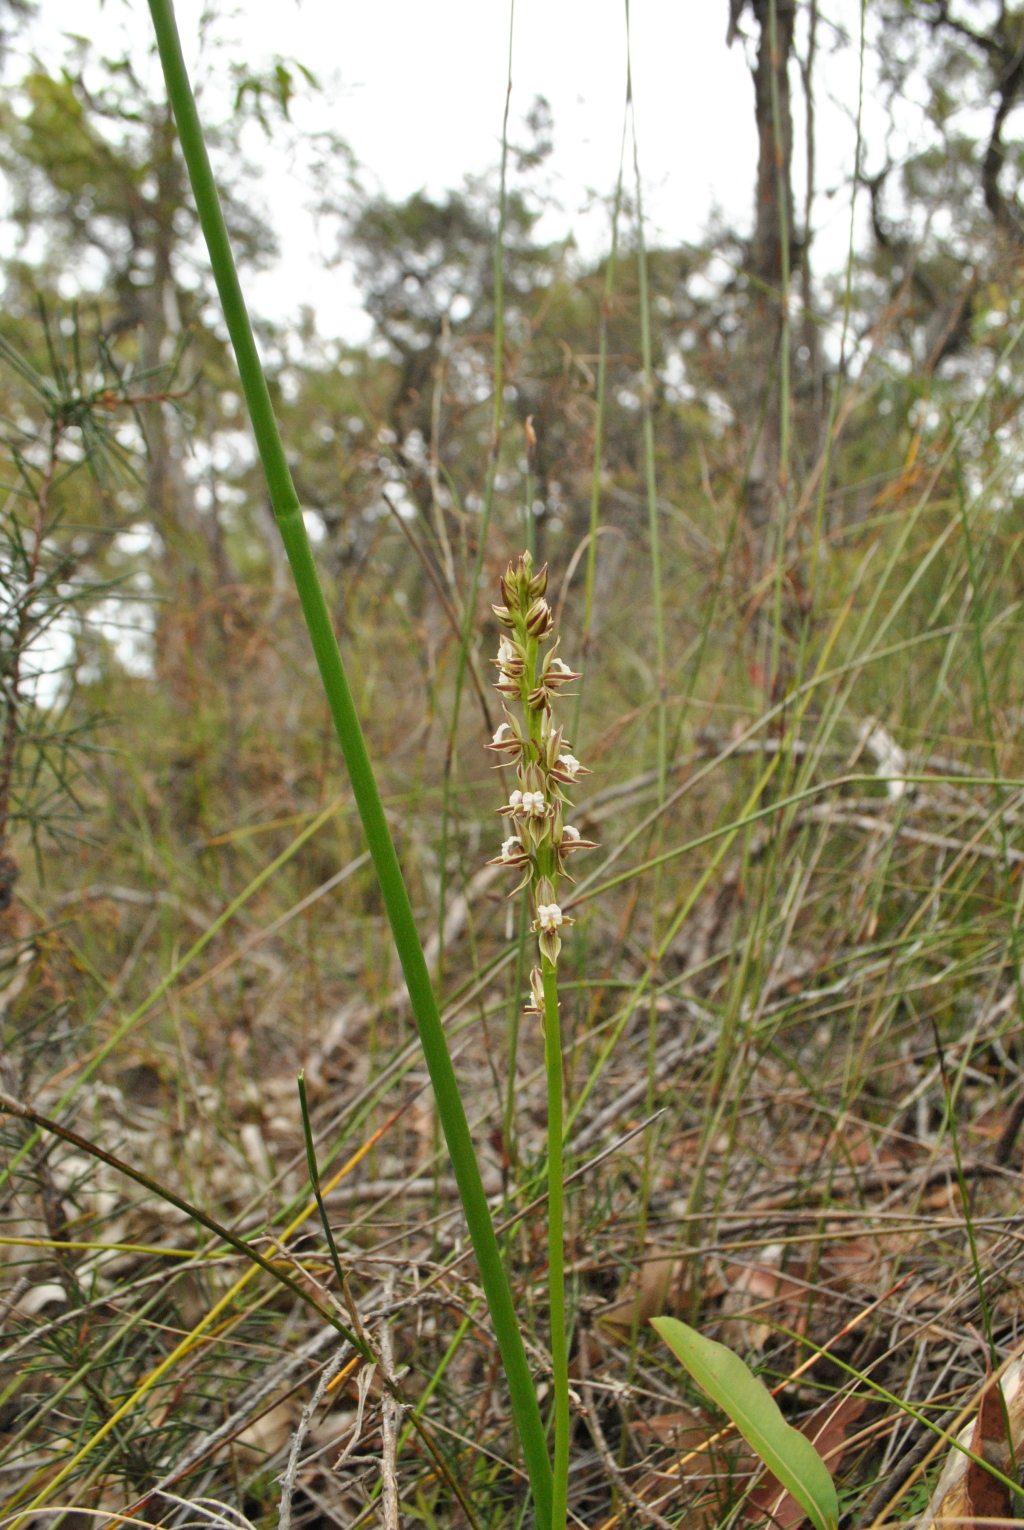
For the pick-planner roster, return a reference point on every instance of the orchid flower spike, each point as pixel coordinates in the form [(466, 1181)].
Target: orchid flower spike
[(530, 680)]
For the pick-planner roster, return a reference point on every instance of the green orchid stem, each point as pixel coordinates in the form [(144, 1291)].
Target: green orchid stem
[(513, 1025), (556, 1243), (364, 787)]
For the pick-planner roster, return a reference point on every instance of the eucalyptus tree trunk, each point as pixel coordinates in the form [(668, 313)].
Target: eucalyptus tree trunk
[(768, 263)]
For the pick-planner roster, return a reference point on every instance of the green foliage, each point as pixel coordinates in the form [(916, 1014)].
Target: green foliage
[(63, 424), (275, 85), (739, 1393), (94, 164)]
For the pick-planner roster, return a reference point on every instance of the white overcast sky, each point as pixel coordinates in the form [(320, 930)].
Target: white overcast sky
[(417, 90)]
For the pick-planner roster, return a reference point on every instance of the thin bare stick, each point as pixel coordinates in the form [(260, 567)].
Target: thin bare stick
[(611, 1466), (391, 1416), (327, 1375)]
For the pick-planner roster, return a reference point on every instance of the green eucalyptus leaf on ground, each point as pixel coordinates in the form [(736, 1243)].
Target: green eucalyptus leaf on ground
[(735, 1388)]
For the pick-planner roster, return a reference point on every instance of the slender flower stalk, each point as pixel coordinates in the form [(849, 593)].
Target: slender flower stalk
[(539, 846), (288, 515)]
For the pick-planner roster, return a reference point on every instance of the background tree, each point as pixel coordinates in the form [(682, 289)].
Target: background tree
[(770, 263)]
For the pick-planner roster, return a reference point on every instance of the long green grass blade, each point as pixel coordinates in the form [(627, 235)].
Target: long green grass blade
[(288, 515)]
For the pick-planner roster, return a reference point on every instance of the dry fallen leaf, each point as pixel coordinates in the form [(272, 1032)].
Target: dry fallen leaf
[(38, 1297), (854, 1264), (266, 1435), (758, 1297), (645, 1296), (986, 1495), (684, 1430), (966, 1491), (714, 1470), (332, 1428)]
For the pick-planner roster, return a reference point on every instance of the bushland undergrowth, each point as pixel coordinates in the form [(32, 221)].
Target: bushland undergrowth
[(790, 998)]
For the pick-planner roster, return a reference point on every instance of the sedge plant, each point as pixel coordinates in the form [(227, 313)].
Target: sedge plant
[(530, 677), (288, 516)]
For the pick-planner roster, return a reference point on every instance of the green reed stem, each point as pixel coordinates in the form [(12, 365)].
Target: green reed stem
[(513, 1025), (364, 786), (650, 474), (556, 1243)]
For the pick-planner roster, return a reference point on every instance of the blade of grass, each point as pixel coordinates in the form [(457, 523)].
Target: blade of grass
[(654, 525), (978, 634), (600, 406), (288, 514), (357, 1341), (485, 516), (650, 474), (14, 1107), (314, 1180), (585, 895), (621, 1020)]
